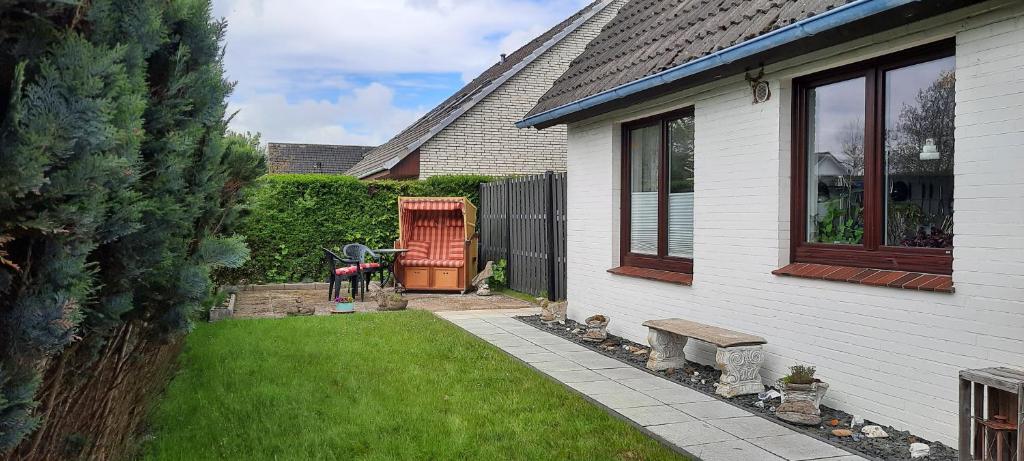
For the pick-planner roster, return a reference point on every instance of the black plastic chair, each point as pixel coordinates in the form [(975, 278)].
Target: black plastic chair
[(356, 253), (334, 278)]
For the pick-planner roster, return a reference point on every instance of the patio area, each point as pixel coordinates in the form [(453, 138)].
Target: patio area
[(691, 422), (282, 300)]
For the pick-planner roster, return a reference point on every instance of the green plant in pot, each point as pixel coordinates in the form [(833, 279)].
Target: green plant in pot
[(801, 396)]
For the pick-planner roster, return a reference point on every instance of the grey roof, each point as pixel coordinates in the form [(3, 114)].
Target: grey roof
[(654, 41), (650, 36), (408, 140), (313, 158)]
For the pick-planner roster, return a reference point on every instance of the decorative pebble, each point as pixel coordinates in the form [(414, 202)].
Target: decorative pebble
[(919, 450), (842, 432), (874, 432)]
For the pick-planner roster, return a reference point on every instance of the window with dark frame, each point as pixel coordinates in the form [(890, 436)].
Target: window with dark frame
[(657, 192), (873, 163)]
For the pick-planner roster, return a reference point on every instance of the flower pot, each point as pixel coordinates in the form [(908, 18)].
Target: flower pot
[(345, 308), (597, 328), (801, 403)]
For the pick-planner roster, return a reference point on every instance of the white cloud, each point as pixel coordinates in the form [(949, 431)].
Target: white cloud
[(370, 109), (286, 54)]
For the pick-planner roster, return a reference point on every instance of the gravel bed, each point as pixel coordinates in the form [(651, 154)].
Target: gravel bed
[(894, 447)]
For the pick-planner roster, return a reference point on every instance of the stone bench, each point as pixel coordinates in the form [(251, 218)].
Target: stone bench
[(739, 355)]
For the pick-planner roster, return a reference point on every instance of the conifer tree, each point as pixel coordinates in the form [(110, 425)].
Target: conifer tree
[(118, 186)]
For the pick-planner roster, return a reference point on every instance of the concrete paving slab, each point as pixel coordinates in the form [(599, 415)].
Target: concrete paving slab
[(575, 376), (566, 347), (628, 399), (711, 410), (623, 373), (599, 387), (558, 365), (520, 351), (732, 450), (510, 341), (798, 447), (678, 394), (649, 383), (691, 433), (538, 357), (654, 415), (592, 360), (750, 427)]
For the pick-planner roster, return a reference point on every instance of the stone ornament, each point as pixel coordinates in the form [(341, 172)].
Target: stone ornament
[(666, 350), (597, 328), (801, 403), (552, 312), (741, 370)]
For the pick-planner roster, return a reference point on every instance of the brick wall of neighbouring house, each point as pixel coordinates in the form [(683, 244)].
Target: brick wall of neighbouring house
[(891, 355), (485, 140)]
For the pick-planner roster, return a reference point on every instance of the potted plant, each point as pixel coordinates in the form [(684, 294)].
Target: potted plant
[(344, 305), (801, 396), (389, 299)]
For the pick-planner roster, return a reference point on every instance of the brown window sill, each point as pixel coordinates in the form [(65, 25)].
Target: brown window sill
[(871, 277), (677, 278)]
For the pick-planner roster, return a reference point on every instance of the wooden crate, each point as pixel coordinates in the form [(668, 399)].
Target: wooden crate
[(1003, 391)]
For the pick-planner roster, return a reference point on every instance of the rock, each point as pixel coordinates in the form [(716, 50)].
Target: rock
[(483, 289), (799, 412), (919, 450), (834, 422), (551, 312), (759, 404), (482, 278), (842, 432), (874, 432), (640, 352)]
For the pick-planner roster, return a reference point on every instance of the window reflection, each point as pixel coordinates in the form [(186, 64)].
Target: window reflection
[(919, 110), (835, 164)]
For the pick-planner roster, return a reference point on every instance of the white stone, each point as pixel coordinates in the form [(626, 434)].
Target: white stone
[(919, 450), (874, 432)]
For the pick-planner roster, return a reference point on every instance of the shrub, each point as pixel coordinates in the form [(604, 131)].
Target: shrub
[(799, 374), (291, 217)]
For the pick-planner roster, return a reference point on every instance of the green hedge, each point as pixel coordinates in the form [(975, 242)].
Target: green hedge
[(291, 217)]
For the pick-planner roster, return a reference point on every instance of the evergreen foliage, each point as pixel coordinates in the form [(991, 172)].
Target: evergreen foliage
[(291, 217), (119, 187)]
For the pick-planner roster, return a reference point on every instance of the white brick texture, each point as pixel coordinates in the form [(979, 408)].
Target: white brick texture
[(485, 139), (890, 355)]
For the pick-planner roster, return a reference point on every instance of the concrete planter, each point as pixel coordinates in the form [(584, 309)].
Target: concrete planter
[(801, 403)]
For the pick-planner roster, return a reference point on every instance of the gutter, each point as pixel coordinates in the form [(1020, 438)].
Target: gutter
[(843, 15)]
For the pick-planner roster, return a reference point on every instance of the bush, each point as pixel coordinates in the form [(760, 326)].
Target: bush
[(291, 217)]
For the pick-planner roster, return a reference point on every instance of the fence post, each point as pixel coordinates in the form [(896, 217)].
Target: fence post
[(549, 181), (508, 232)]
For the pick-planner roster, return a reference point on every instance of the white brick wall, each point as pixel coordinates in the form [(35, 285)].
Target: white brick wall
[(891, 355), (485, 139)]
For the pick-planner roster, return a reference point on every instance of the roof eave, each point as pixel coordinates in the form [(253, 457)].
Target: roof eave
[(671, 79)]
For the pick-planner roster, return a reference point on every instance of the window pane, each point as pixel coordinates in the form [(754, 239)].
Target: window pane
[(644, 149), (919, 103), (680, 197), (835, 163)]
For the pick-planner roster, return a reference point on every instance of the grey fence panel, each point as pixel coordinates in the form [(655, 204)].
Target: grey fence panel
[(522, 220)]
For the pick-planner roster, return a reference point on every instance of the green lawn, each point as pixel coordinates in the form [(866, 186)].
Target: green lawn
[(403, 385)]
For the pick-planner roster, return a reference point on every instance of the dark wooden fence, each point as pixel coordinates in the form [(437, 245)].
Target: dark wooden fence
[(522, 220)]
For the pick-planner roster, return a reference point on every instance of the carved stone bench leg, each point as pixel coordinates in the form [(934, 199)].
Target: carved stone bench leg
[(741, 370), (666, 350)]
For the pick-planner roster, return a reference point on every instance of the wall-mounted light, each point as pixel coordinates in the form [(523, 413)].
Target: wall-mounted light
[(929, 151)]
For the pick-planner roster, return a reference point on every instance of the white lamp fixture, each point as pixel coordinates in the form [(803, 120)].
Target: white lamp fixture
[(928, 150)]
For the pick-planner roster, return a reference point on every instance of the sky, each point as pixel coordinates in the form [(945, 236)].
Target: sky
[(358, 71)]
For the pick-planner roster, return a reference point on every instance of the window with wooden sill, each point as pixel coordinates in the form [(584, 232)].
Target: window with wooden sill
[(657, 193), (873, 163)]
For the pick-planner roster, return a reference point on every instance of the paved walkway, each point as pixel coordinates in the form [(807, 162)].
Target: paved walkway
[(698, 424)]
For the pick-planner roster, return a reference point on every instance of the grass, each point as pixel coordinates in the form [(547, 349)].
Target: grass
[(403, 385), (519, 295)]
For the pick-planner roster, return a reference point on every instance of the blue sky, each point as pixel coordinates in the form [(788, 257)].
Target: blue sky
[(357, 72)]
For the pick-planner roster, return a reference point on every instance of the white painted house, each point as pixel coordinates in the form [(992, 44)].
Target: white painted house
[(820, 216)]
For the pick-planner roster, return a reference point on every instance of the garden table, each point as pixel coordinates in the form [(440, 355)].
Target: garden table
[(388, 256)]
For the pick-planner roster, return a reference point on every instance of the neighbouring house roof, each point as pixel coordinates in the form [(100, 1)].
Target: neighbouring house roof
[(408, 140), (656, 46), (313, 158)]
